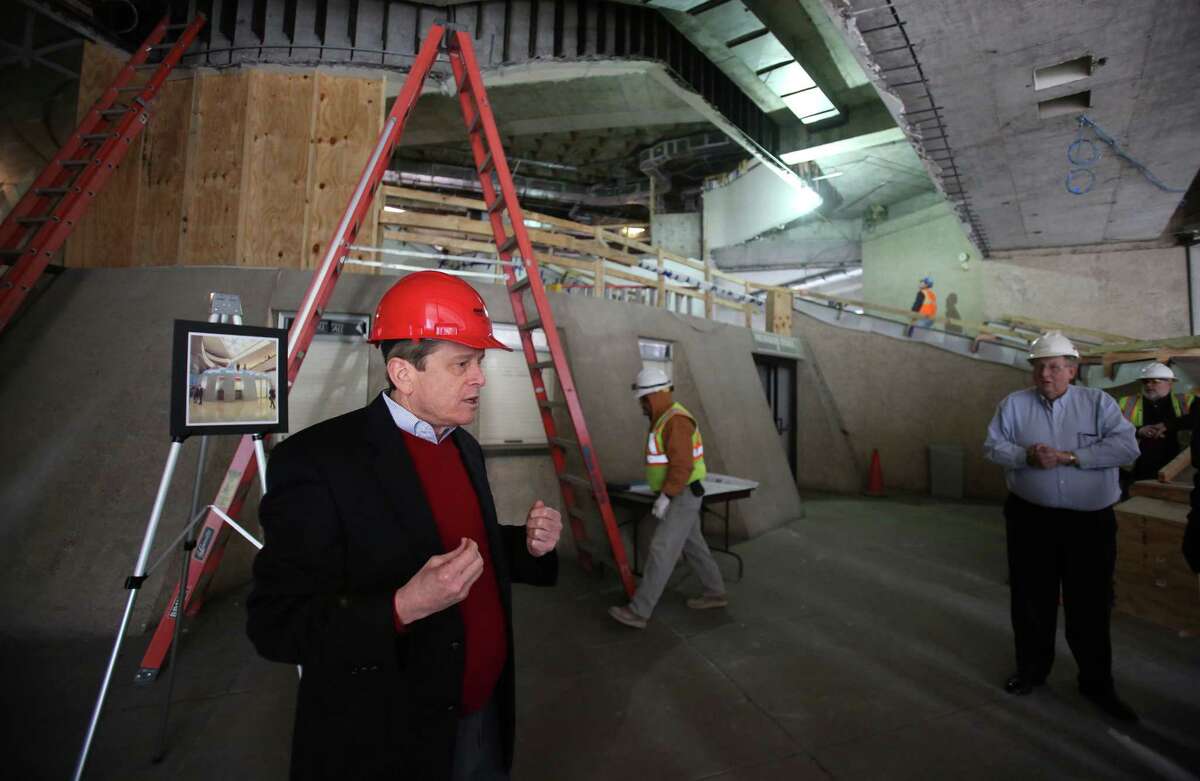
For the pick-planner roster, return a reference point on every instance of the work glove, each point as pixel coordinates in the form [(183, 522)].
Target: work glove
[(660, 506)]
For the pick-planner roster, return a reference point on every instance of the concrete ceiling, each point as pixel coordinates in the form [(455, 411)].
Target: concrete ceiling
[(1011, 159)]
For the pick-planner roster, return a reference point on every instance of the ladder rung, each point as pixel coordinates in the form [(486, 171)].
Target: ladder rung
[(582, 482), (547, 404), (33, 220), (181, 26), (90, 137), (575, 512), (519, 285), (163, 46), (11, 253), (132, 87), (113, 112), (147, 66), (475, 123), (564, 443), (50, 191), (531, 324), (542, 365), (496, 206), (75, 163), (488, 162), (509, 245)]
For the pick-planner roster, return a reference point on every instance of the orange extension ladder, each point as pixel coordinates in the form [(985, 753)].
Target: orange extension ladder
[(42, 220), (511, 238)]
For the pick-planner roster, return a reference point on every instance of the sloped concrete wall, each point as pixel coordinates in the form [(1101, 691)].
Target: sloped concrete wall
[(1141, 293), (861, 391), (86, 388)]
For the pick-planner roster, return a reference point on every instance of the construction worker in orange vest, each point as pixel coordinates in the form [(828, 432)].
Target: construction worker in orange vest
[(925, 305), (1158, 415), (674, 470)]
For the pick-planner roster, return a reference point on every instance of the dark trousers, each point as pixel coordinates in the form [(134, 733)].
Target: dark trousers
[(1050, 548), (477, 754)]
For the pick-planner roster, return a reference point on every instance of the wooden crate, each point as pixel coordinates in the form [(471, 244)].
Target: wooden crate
[(1153, 580)]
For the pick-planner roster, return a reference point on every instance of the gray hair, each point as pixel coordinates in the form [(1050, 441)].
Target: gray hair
[(414, 351)]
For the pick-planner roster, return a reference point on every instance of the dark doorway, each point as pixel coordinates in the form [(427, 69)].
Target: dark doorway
[(778, 376)]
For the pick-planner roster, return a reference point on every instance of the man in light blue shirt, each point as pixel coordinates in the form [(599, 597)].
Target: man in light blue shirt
[(1061, 446)]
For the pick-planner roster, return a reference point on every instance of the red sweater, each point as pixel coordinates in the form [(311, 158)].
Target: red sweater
[(456, 511)]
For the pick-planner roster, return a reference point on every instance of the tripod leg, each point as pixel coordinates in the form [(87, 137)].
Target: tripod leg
[(133, 583), (189, 544)]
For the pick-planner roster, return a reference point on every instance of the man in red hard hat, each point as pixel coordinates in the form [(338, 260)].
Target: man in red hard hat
[(385, 573)]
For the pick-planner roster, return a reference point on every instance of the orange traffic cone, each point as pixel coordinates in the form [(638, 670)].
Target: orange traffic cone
[(875, 476)]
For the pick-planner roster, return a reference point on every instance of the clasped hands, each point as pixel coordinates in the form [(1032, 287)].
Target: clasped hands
[(1153, 431), (446, 579), (1045, 457)]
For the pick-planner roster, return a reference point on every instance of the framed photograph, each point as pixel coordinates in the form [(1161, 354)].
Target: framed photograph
[(228, 379)]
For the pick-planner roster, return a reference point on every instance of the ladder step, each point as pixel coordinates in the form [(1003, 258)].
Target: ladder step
[(75, 163), (488, 163), (132, 87), (181, 26), (476, 123), (519, 285), (509, 245), (530, 325), (564, 443), (51, 191), (114, 112), (497, 205), (89, 138), (576, 480), (542, 365), (546, 404), (33, 220), (162, 46)]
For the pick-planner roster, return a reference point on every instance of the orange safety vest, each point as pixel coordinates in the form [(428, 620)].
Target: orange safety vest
[(929, 304)]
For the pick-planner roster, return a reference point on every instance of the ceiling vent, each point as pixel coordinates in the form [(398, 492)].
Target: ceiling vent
[(1062, 73), (1067, 104)]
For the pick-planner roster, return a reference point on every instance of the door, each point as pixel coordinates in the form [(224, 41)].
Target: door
[(778, 376)]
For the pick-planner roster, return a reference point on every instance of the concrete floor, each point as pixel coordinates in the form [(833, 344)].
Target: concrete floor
[(867, 640)]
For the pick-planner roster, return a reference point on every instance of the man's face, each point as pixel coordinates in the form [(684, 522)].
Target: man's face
[(1155, 389), (1051, 376), (644, 401), (446, 392)]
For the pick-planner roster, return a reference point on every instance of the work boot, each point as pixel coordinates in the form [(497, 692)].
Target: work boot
[(708, 601), (627, 617), (1021, 685)]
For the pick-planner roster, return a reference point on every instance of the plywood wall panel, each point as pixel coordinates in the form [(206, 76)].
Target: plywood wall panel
[(215, 149), (275, 173), (104, 236), (162, 169), (349, 115)]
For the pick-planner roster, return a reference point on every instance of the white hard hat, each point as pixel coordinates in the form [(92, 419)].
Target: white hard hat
[(650, 380), (1051, 344), (1157, 371)]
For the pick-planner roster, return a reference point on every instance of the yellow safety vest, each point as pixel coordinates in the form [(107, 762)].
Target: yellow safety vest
[(1131, 406), (656, 454)]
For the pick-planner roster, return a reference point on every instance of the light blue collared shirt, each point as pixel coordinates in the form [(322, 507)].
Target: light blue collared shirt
[(1085, 421), (409, 422)]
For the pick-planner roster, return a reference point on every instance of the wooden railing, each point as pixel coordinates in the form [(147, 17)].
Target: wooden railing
[(608, 258)]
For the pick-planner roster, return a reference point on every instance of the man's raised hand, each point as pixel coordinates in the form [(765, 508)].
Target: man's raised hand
[(543, 526), (445, 580)]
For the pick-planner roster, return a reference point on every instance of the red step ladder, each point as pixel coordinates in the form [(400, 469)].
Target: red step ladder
[(512, 238), (38, 225)]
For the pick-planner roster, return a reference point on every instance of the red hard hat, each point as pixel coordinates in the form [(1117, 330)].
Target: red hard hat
[(433, 305)]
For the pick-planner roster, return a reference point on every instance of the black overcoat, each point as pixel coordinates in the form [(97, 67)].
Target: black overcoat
[(346, 523)]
